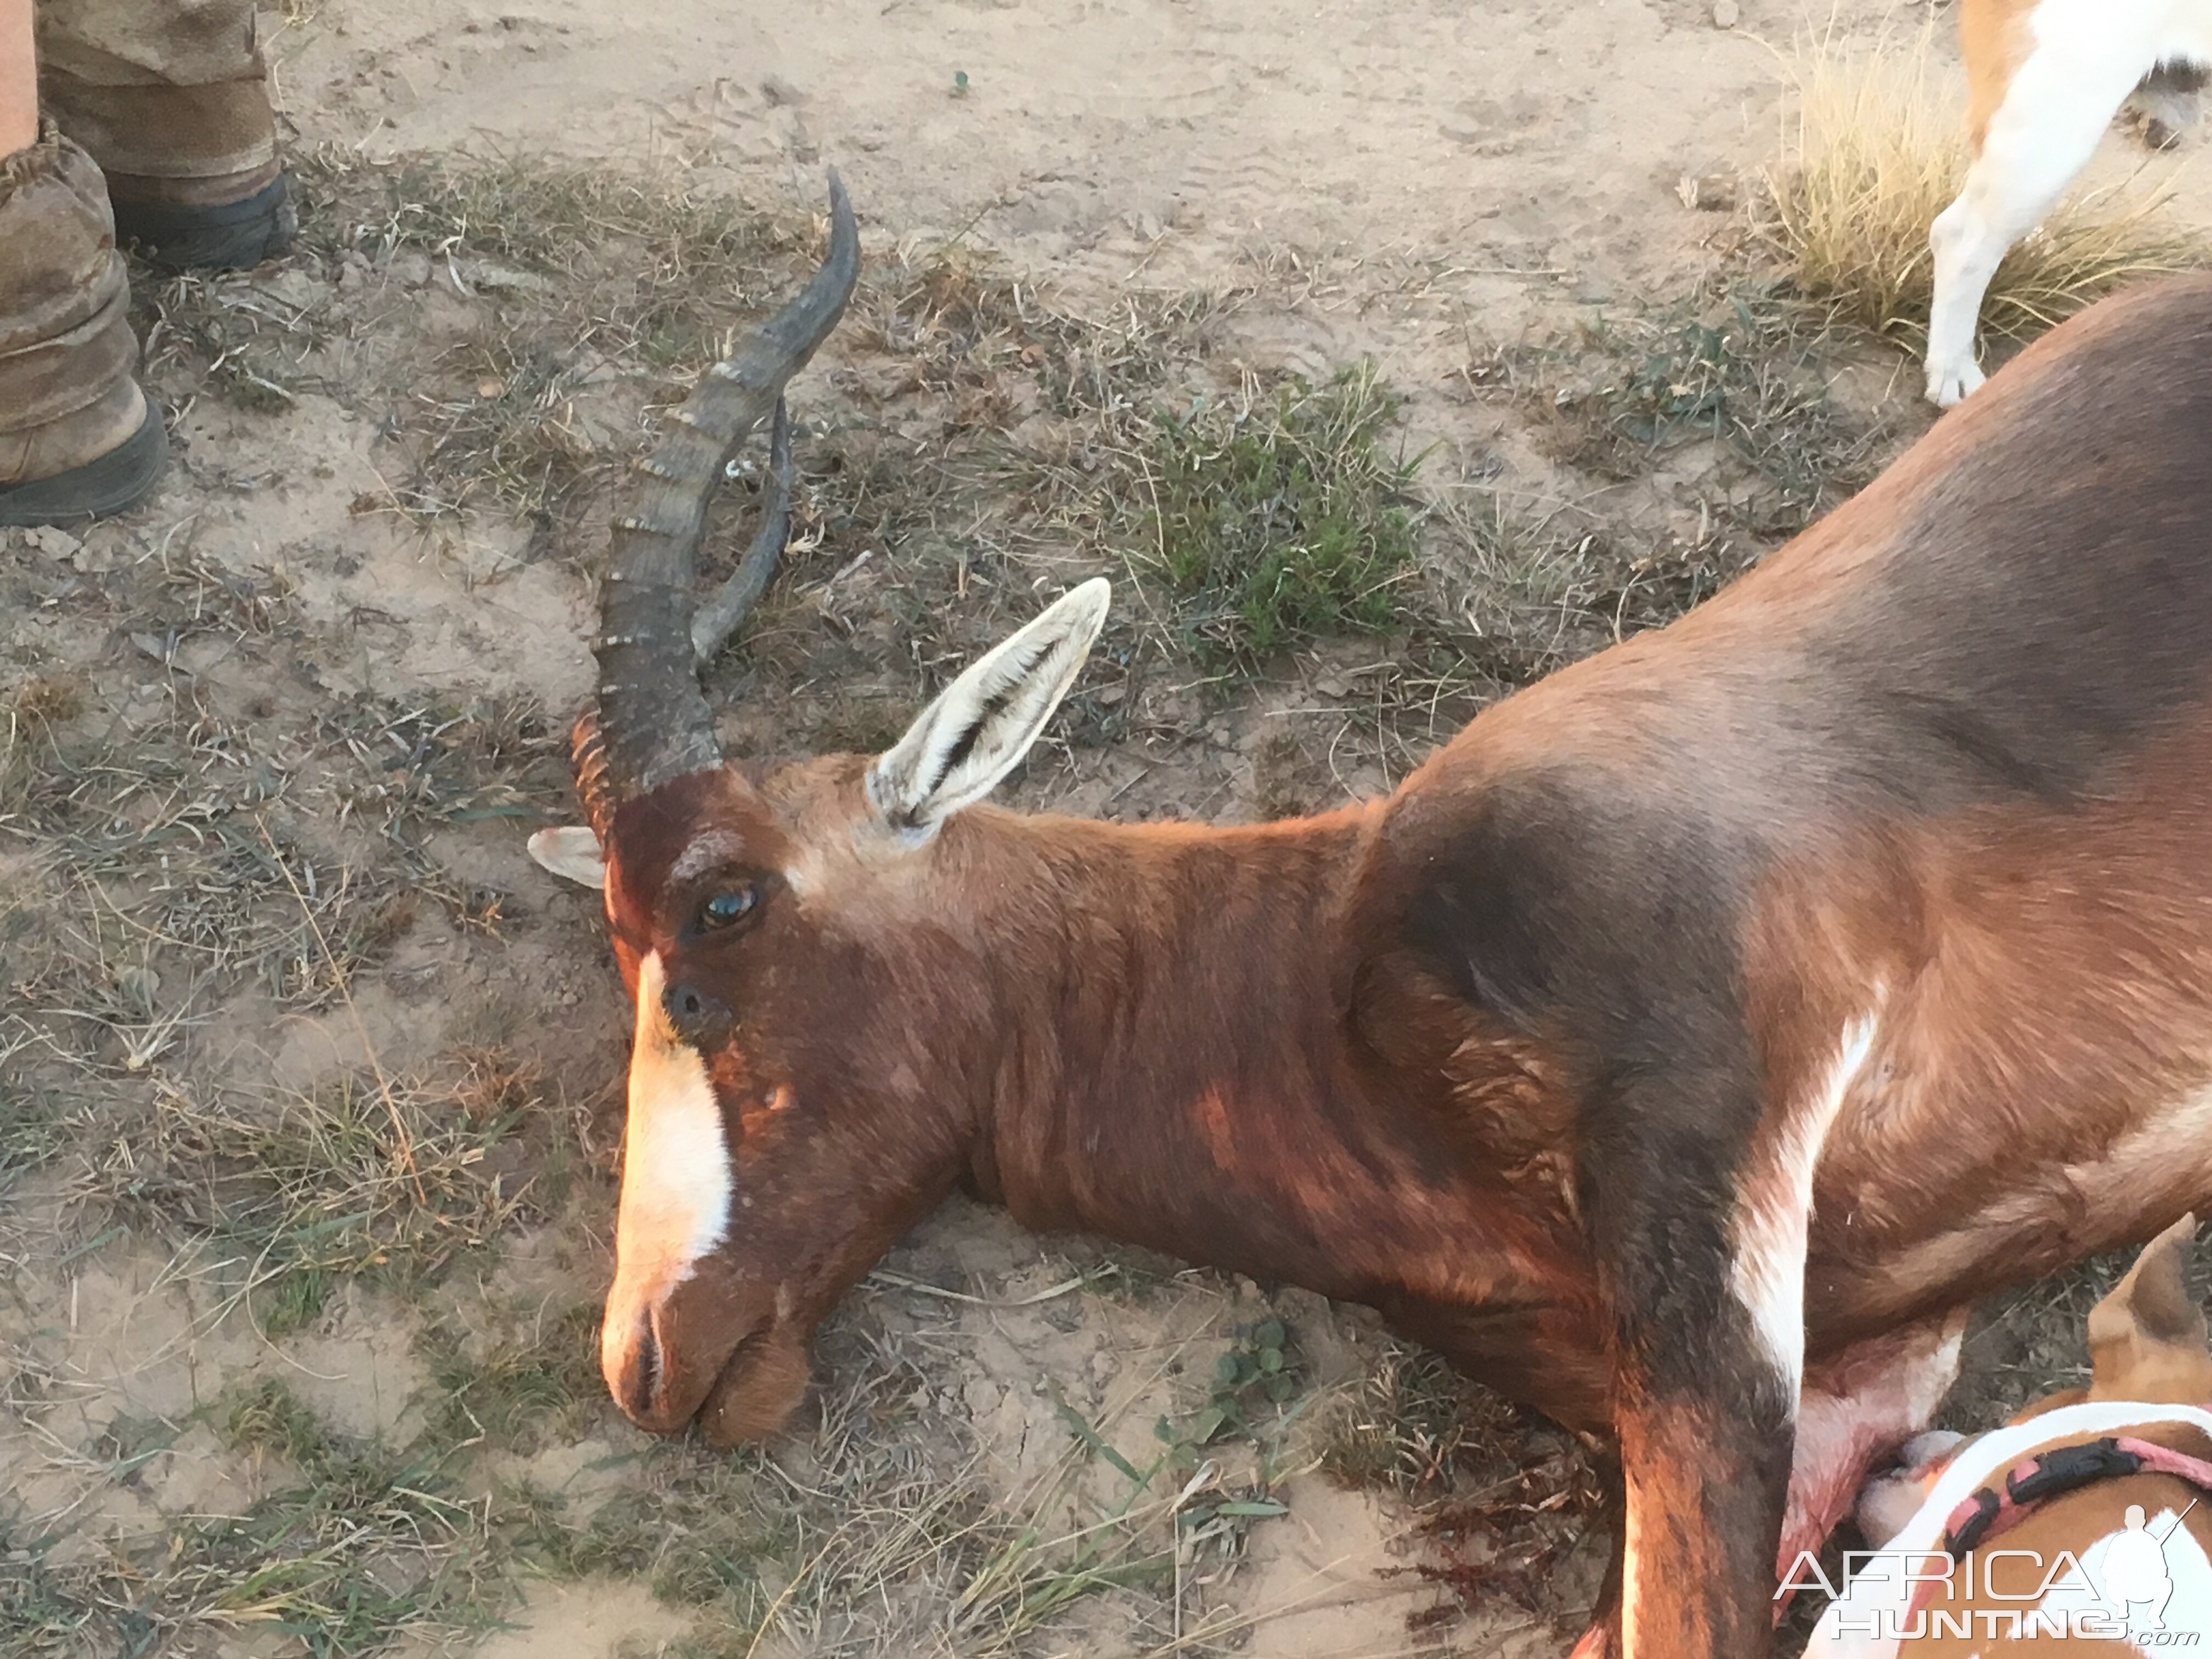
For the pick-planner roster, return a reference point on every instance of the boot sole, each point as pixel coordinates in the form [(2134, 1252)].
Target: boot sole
[(108, 485), (236, 236)]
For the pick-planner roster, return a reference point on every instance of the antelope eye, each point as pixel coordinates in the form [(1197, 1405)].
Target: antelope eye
[(726, 907)]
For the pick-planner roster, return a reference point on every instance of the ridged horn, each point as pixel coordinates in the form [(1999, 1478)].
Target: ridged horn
[(587, 763), (653, 722)]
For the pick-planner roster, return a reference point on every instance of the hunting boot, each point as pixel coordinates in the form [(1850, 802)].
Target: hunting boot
[(172, 100), (77, 437)]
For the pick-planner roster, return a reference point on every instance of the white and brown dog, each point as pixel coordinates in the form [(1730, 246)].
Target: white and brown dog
[(2083, 1526), (2044, 78)]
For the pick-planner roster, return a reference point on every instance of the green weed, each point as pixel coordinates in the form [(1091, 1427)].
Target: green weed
[(1279, 521), (525, 1389)]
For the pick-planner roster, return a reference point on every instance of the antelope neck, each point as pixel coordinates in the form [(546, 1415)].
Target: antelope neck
[(1174, 1069)]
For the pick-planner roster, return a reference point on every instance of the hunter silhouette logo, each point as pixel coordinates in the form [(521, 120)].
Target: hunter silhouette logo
[(2134, 1572), (2145, 1586)]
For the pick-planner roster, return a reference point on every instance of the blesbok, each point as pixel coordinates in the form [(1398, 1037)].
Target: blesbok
[(2044, 79), (1679, 1050)]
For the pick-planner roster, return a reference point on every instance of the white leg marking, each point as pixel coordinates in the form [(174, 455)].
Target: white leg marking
[(676, 1181), (1631, 1547), (2083, 64), (1775, 1210)]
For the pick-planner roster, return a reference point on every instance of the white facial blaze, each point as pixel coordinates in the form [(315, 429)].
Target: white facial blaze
[(677, 1184), (1771, 1229)]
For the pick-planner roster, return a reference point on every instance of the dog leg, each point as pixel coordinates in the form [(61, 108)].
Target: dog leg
[(2056, 106)]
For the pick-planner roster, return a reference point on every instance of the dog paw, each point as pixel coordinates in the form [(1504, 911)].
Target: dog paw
[(1949, 382)]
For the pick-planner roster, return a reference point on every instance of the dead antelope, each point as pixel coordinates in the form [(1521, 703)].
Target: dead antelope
[(2044, 78), (1680, 1050)]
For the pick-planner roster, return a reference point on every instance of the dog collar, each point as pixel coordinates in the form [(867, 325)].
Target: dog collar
[(1988, 1511)]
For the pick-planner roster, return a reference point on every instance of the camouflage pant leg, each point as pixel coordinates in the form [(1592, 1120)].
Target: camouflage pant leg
[(159, 89)]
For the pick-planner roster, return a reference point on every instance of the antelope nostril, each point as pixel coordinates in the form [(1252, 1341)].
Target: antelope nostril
[(638, 1386), (648, 1364), (698, 1018)]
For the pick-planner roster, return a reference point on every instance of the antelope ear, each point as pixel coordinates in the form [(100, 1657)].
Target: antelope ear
[(983, 723), (572, 852)]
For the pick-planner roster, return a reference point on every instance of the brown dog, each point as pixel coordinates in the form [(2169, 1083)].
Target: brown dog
[(2083, 1527)]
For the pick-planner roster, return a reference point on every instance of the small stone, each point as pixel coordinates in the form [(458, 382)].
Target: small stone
[(52, 541), (484, 273), (779, 92), (491, 386), (141, 986), (1725, 14), (290, 285), (981, 1397), (1713, 193)]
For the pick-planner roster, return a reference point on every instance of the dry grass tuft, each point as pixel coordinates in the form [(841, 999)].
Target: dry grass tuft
[(532, 1383), (645, 263), (1407, 1424), (368, 1176), (1878, 148), (48, 699), (879, 1532), (870, 1540), (364, 1551), (593, 280), (173, 853), (1733, 387), (1504, 1499)]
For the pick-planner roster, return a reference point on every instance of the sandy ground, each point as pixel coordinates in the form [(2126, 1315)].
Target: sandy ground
[(1425, 184)]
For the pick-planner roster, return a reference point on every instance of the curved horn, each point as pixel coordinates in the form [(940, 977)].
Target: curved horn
[(654, 723), (730, 603)]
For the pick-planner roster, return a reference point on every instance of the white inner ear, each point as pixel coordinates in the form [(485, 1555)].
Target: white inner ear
[(984, 722), (572, 852)]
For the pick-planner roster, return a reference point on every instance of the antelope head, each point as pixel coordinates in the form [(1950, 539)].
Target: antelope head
[(792, 939)]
